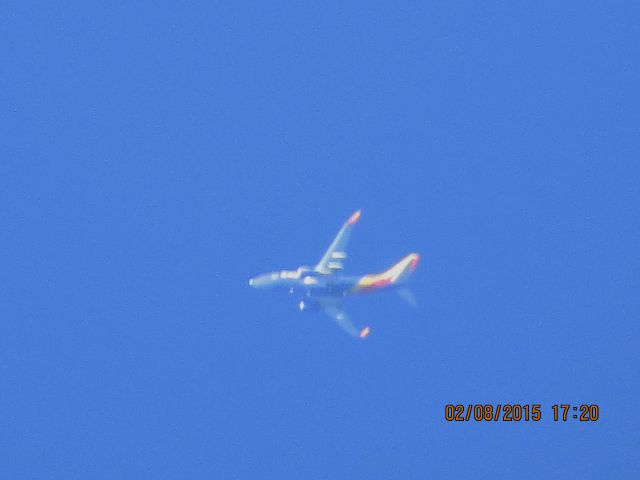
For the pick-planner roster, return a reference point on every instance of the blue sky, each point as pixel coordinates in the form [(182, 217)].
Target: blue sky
[(155, 156)]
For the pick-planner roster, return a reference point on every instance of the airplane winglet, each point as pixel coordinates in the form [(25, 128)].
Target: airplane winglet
[(354, 218), (364, 333)]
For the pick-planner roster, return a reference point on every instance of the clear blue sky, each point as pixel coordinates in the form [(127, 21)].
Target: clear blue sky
[(154, 156)]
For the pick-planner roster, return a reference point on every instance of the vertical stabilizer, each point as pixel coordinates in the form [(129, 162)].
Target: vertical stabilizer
[(402, 270), (399, 273)]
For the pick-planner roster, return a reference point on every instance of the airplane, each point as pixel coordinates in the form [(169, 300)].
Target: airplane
[(323, 288)]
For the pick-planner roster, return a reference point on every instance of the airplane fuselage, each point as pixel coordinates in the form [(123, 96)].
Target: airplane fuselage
[(310, 284)]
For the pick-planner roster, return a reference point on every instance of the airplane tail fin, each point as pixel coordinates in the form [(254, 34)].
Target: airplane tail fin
[(402, 270), (397, 274)]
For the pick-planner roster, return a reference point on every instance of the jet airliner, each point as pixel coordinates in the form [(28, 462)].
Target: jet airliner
[(323, 287)]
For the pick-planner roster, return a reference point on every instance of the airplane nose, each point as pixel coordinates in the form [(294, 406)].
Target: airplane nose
[(262, 281), (259, 281)]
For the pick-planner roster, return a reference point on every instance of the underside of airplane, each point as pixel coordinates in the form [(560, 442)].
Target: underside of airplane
[(323, 287)]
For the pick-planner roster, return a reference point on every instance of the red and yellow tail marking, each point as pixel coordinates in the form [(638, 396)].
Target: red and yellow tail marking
[(401, 269)]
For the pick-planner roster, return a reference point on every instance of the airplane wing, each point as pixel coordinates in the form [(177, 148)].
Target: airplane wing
[(336, 312), (334, 257)]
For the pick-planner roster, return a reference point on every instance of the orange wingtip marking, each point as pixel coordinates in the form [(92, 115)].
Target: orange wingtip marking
[(354, 218), (364, 333), (414, 261)]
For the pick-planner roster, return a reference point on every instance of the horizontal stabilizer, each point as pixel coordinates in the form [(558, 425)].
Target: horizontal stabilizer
[(408, 296)]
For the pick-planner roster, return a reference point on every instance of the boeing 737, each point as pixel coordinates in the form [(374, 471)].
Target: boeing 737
[(323, 288)]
